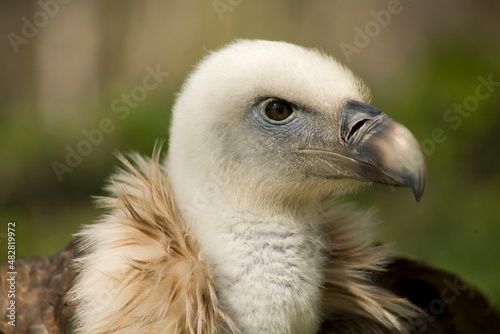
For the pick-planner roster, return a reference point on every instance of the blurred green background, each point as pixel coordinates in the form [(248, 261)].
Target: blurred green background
[(66, 67)]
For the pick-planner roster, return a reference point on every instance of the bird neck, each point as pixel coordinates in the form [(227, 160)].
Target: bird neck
[(266, 264)]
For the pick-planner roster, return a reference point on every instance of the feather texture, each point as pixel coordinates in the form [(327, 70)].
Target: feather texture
[(139, 270), (352, 301), (38, 295), (142, 271)]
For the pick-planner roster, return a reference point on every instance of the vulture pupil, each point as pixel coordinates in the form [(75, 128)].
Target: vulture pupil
[(278, 110)]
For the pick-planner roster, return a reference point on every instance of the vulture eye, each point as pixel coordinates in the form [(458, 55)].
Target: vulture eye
[(278, 111)]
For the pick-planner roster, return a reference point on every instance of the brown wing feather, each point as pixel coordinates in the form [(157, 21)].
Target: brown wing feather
[(40, 286), (453, 305)]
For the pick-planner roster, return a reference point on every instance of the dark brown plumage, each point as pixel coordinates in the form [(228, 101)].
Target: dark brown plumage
[(452, 305), (41, 284)]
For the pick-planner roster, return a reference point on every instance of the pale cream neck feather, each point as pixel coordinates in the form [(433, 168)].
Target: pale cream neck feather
[(142, 271)]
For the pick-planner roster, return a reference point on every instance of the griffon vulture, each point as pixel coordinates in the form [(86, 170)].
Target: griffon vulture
[(232, 233)]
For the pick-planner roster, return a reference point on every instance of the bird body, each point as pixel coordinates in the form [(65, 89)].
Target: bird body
[(232, 231)]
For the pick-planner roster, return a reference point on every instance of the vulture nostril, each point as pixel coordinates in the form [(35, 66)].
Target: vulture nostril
[(355, 128)]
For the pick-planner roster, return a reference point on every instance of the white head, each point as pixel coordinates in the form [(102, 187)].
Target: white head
[(261, 133), (223, 135)]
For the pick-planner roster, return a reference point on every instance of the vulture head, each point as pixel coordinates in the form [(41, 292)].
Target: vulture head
[(261, 133), (276, 124)]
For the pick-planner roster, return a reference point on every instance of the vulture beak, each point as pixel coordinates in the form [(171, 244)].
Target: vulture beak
[(382, 150), (376, 148)]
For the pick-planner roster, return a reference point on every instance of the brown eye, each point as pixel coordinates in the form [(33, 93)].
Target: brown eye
[(278, 111)]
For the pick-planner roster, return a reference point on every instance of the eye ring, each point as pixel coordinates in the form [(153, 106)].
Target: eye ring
[(277, 111)]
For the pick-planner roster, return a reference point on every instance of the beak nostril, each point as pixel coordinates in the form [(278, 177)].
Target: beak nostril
[(355, 116), (355, 128)]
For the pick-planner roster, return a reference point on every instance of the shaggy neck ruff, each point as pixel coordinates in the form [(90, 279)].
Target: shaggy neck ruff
[(143, 269)]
